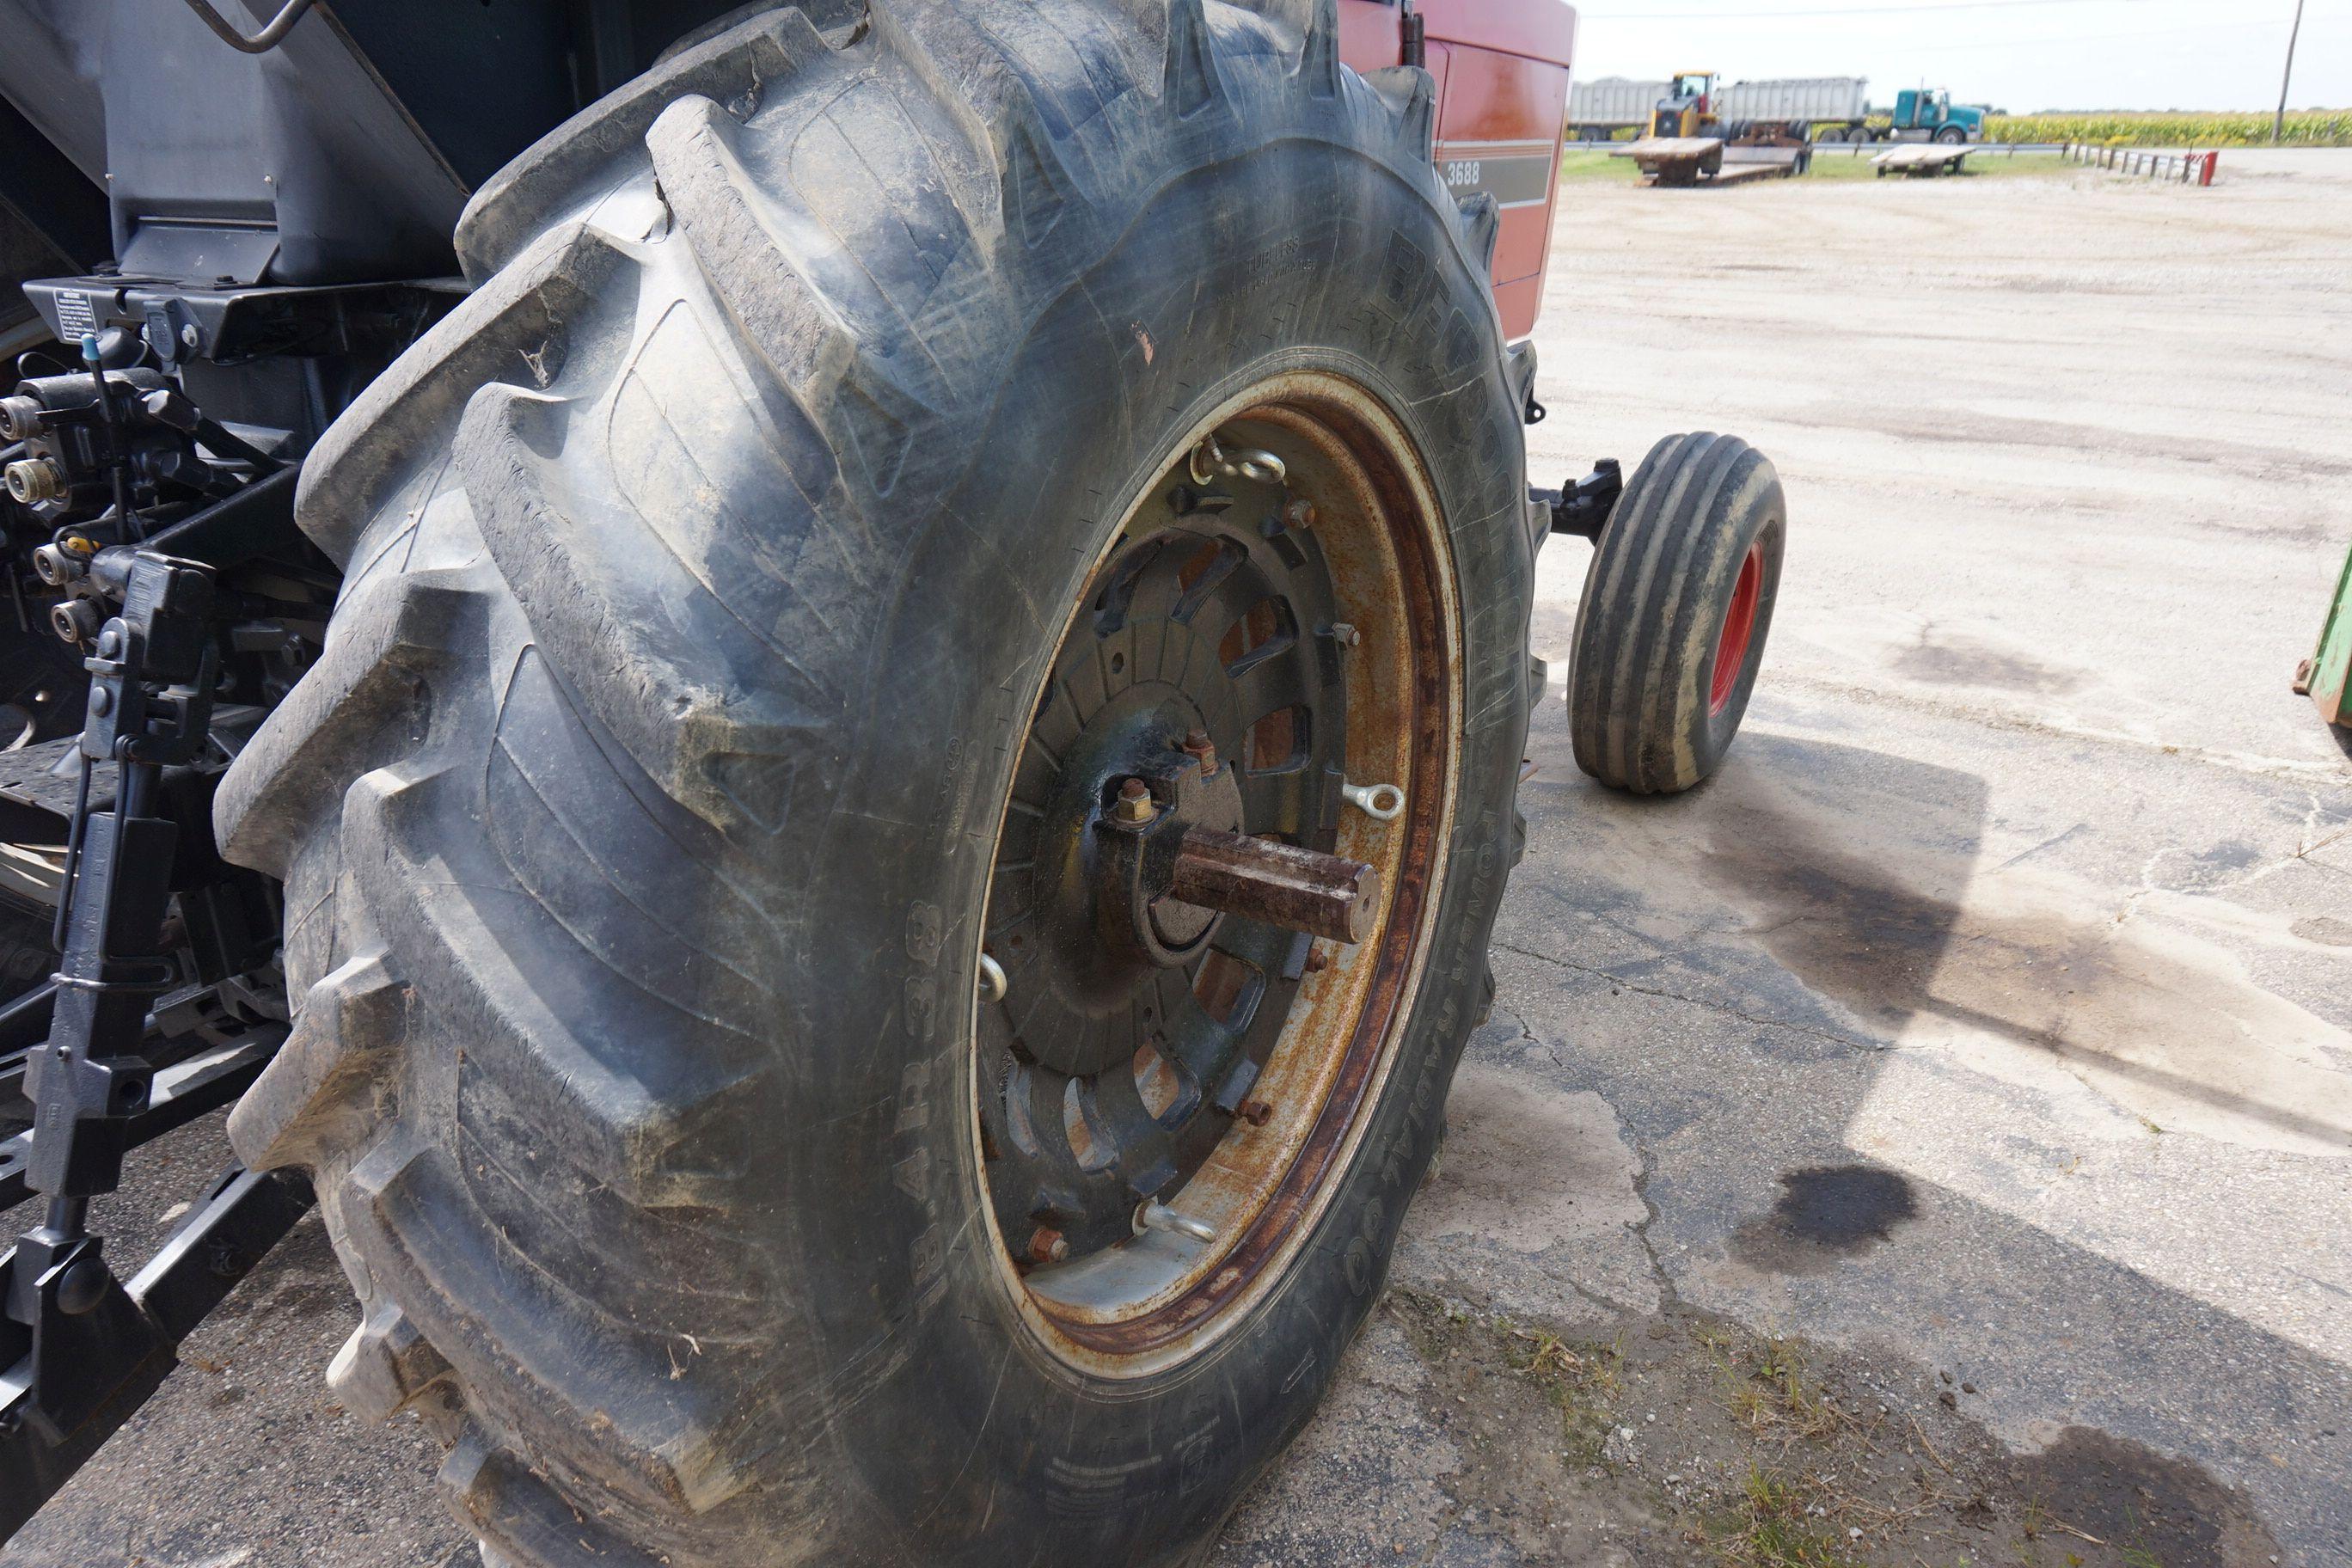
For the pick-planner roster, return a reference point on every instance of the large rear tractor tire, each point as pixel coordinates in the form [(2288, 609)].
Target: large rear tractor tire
[(765, 1114), (1677, 603)]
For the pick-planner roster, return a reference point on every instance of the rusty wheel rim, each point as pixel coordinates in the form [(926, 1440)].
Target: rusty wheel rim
[(1244, 1173)]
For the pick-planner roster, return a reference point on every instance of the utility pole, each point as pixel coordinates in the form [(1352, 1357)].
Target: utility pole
[(2278, 126)]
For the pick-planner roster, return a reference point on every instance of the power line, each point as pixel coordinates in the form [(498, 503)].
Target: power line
[(2137, 33), (1840, 11)]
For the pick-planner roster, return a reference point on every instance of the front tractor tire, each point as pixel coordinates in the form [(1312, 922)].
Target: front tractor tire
[(767, 1112), (1677, 603)]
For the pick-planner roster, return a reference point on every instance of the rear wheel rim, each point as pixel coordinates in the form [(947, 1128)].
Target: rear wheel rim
[(1739, 630), (1089, 1101)]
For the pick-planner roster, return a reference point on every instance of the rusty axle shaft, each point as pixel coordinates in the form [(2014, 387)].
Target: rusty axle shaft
[(1261, 879)]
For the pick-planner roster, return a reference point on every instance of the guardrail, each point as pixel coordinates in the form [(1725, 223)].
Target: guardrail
[(1990, 149), (2185, 168)]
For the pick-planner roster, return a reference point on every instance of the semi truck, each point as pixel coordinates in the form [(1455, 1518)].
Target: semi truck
[(1802, 108), (1928, 114), (1597, 109), (1793, 106)]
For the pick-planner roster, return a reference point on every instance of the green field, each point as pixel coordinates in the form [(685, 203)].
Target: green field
[(2304, 128)]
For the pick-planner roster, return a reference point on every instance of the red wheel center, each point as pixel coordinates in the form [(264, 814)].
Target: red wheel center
[(1739, 627)]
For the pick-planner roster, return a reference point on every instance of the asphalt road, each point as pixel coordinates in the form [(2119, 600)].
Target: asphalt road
[(1980, 1032)]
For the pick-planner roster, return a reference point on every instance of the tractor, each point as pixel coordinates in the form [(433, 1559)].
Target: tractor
[(1688, 107), (813, 709)]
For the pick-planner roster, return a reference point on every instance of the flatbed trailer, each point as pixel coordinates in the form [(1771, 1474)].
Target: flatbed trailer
[(1928, 158), (1690, 160)]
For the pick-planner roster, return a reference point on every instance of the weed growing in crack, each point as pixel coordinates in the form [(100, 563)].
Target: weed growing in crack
[(1772, 1527), (1581, 1379), (1768, 1390)]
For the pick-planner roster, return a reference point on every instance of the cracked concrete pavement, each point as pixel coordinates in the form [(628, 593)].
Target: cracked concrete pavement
[(1987, 1013), (1982, 1028)]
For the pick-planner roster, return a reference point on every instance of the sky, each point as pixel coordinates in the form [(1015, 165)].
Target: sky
[(2018, 54)]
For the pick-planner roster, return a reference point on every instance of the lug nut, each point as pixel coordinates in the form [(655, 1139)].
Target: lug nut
[(32, 480), (1345, 635), (1256, 1113), (1197, 745), (1135, 802), (1047, 1245), (1299, 514), (1317, 961)]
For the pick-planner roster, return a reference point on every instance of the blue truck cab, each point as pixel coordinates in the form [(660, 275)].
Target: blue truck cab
[(1925, 114)]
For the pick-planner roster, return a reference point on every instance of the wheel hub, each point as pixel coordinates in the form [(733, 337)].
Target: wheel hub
[(1195, 720)]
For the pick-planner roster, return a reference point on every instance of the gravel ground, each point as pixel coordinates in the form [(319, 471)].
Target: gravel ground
[(1926, 1143)]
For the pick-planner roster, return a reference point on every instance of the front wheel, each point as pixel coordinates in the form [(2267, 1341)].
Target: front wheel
[(1951, 135), (1677, 606)]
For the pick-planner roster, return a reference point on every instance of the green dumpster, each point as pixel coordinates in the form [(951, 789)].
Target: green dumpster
[(2322, 674)]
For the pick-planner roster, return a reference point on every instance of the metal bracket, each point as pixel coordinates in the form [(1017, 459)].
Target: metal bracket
[(1583, 508)]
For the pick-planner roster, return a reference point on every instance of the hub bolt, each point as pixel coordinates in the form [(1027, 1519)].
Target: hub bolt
[(1135, 802), (1299, 514), (1197, 745), (1047, 1245)]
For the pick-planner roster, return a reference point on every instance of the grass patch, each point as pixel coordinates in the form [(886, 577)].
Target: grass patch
[(1581, 1379), (1579, 166), (1772, 1526), (1582, 166), (1768, 1390), (1840, 165)]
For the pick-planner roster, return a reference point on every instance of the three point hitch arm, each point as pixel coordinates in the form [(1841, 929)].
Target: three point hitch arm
[(83, 1348)]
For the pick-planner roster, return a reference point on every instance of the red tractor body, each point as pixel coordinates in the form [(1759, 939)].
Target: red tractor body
[(1502, 71)]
